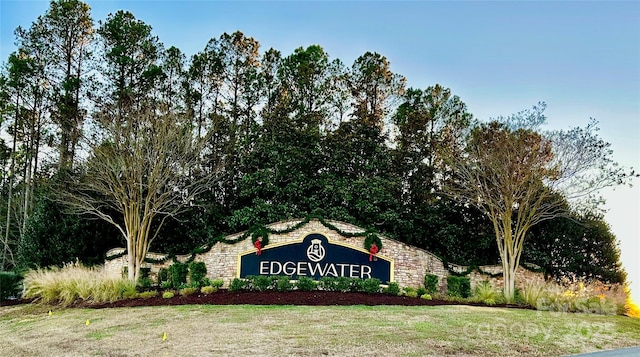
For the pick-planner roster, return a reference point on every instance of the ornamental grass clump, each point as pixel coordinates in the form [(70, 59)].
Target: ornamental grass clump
[(74, 282), (188, 291), (575, 296), (208, 289), (148, 294), (485, 293), (531, 293)]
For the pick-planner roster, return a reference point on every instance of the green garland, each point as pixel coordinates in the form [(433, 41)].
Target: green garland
[(258, 232), (370, 239), (263, 231), (471, 268), (116, 256)]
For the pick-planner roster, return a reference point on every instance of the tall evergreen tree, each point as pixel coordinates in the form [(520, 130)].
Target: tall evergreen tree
[(64, 37), (130, 70)]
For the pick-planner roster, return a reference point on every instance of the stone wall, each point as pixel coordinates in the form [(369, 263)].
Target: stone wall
[(411, 263)]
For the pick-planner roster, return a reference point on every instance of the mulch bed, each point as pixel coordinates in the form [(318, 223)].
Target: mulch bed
[(308, 298)]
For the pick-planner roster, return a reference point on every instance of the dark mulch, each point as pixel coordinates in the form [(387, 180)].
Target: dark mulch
[(312, 298), (309, 298)]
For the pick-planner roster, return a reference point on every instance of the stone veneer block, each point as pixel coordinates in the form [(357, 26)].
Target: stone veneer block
[(411, 264)]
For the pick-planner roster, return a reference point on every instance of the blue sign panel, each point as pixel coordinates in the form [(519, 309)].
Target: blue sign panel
[(315, 257)]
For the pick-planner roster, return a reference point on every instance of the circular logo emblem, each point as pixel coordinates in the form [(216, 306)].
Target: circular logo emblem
[(315, 252)]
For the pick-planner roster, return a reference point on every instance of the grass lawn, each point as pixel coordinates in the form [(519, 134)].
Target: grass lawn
[(246, 330)]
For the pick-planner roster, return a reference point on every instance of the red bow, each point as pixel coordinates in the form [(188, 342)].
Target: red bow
[(258, 246), (372, 251)]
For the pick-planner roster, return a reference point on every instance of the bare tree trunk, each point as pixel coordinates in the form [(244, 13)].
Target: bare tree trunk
[(509, 276), (26, 192), (36, 154), (28, 176), (7, 248), (131, 261)]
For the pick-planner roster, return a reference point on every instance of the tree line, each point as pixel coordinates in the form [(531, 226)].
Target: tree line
[(159, 150)]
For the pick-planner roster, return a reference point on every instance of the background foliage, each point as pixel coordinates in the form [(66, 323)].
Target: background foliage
[(287, 135)]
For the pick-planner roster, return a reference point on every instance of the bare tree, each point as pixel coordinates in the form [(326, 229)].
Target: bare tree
[(139, 172), (519, 177)]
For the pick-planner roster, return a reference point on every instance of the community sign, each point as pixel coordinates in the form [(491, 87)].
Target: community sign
[(315, 256)]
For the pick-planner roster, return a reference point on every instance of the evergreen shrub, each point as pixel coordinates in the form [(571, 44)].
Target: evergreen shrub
[(305, 283), (328, 283), (343, 284), (238, 284), (144, 281), (166, 285), (260, 282), (431, 283), (178, 274), (9, 285), (283, 283), (356, 285), (197, 273), (458, 286), (392, 289), (217, 283), (371, 286), (163, 276)]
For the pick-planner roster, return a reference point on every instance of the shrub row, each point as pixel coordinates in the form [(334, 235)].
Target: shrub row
[(74, 282), (181, 275), (285, 283), (457, 286)]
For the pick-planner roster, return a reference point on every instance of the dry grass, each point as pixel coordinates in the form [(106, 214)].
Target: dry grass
[(576, 296), (206, 330), (74, 282)]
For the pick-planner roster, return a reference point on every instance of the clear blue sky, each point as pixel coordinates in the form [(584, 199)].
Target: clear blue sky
[(582, 58)]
